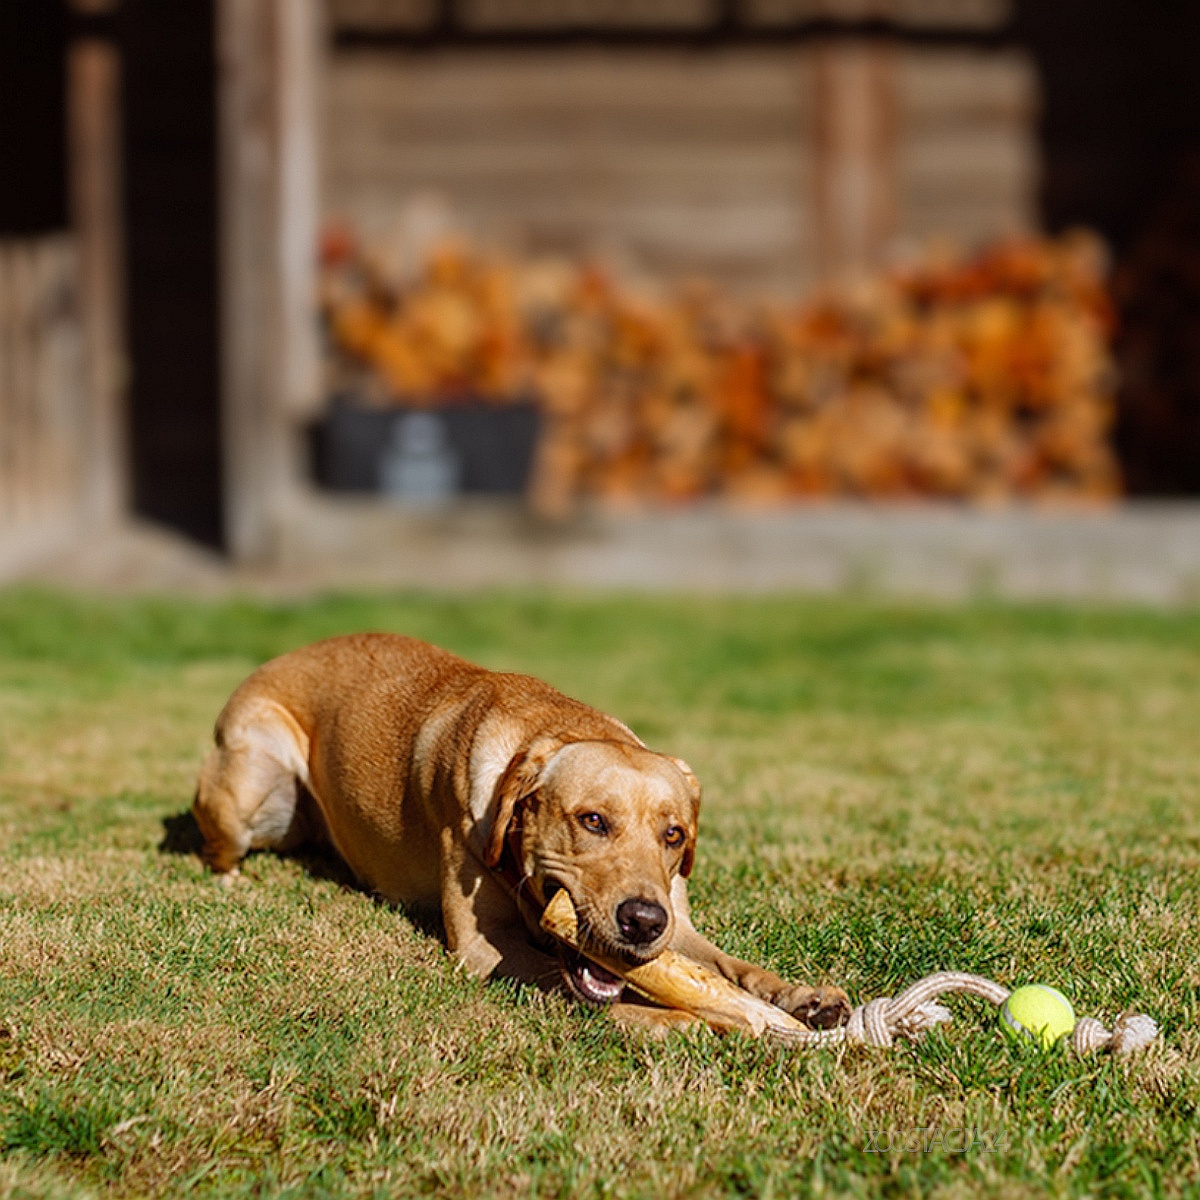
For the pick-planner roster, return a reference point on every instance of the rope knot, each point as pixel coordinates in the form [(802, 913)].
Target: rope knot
[(1131, 1031), (1089, 1036), (869, 1023)]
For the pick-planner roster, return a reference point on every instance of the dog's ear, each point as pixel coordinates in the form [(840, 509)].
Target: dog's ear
[(517, 782), (689, 853)]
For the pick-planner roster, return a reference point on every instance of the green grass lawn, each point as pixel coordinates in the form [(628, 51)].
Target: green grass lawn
[(889, 791)]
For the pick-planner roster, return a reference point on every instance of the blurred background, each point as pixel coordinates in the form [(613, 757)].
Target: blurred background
[(747, 292)]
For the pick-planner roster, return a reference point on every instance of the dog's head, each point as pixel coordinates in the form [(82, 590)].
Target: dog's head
[(612, 823)]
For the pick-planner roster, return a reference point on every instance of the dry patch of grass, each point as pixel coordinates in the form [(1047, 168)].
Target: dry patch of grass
[(888, 791)]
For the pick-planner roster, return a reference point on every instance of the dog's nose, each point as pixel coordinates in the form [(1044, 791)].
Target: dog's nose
[(641, 921)]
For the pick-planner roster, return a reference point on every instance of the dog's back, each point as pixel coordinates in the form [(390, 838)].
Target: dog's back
[(379, 729)]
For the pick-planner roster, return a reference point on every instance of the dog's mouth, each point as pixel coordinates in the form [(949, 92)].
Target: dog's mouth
[(588, 980)]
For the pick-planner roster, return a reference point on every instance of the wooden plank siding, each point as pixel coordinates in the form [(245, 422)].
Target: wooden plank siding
[(721, 161), (967, 152), (690, 162), (63, 469), (43, 419)]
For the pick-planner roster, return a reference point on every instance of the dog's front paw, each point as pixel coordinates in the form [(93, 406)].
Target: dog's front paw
[(651, 1021), (817, 1007)]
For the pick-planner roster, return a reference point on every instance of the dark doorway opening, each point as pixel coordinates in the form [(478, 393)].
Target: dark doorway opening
[(1121, 153), (33, 132), (170, 118)]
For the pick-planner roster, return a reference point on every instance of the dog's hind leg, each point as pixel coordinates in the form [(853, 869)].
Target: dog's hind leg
[(252, 793)]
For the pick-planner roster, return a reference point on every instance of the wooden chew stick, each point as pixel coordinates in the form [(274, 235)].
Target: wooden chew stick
[(677, 982)]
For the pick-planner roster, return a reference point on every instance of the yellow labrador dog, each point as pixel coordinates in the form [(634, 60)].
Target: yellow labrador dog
[(436, 780)]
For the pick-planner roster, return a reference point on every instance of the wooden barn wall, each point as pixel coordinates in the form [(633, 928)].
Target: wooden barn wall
[(687, 161), (690, 162), (967, 152)]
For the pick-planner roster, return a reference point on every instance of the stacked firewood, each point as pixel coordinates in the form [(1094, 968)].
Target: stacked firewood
[(986, 378)]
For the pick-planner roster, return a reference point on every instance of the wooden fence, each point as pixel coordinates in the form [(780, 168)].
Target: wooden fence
[(43, 414)]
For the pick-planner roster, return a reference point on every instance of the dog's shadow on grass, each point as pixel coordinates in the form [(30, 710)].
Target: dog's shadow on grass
[(182, 836)]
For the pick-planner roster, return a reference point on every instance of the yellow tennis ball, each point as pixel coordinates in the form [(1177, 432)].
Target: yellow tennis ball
[(1038, 1011)]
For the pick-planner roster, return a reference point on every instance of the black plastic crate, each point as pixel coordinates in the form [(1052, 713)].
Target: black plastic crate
[(493, 445)]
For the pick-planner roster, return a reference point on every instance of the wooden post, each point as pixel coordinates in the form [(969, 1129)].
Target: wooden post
[(855, 157), (301, 38), (93, 102), (266, 55)]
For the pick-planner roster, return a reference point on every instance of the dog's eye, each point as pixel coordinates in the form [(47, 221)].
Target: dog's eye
[(675, 836), (594, 823)]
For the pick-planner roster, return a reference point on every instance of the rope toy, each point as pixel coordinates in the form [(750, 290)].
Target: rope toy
[(915, 1011), (681, 983)]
